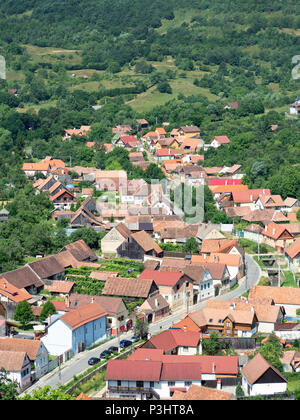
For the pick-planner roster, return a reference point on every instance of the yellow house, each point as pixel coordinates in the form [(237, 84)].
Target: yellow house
[(189, 131)]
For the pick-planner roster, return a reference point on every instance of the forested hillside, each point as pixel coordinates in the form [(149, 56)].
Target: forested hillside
[(163, 60)]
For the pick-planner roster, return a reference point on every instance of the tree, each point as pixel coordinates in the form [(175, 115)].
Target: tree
[(48, 309), (89, 235), (141, 327), (191, 246), (164, 87), (24, 314), (239, 391), (213, 345), (8, 388), (272, 351), (48, 393)]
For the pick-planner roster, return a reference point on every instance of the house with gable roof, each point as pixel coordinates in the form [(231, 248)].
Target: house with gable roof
[(292, 255), (76, 330), (35, 349), (17, 367), (259, 377)]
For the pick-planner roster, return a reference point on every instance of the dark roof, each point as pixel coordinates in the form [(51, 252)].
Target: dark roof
[(81, 251), (47, 267), (22, 278)]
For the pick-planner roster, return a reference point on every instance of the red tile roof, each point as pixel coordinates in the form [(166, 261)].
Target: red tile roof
[(162, 278), (249, 196), (133, 370)]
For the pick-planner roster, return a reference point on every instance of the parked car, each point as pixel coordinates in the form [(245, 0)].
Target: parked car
[(125, 343), (93, 360), (112, 349), (104, 354), (135, 338)]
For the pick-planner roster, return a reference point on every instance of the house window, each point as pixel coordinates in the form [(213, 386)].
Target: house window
[(187, 383), (171, 383), (151, 384), (109, 320), (140, 384), (185, 348), (227, 324), (119, 383)]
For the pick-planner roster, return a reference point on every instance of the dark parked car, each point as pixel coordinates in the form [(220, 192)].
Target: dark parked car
[(104, 354), (125, 343), (112, 349), (93, 360), (135, 338)]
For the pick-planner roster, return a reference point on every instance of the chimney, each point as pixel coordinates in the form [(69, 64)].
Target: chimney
[(273, 231), (93, 299), (156, 303), (252, 308), (5, 285), (213, 368), (67, 301)]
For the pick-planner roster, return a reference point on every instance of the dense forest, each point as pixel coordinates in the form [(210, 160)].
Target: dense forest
[(171, 60)]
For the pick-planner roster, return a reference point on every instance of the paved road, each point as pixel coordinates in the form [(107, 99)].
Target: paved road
[(78, 363)]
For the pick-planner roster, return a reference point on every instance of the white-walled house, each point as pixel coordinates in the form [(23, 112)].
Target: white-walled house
[(261, 378), (158, 376), (76, 330), (17, 366), (35, 350)]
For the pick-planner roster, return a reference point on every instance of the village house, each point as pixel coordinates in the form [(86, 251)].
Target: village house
[(263, 216), (277, 236), (287, 297), (10, 296), (80, 251), (165, 154), (292, 255), (76, 330), (4, 215), (175, 287), (17, 366), (175, 342), (110, 180), (63, 199), (129, 288), (148, 373), (139, 246), (218, 141), (36, 351), (248, 197), (31, 169), (259, 377), (295, 107), (225, 321), (60, 288), (155, 308), (114, 239), (44, 184), (24, 278), (203, 284), (189, 131), (82, 131), (117, 320)]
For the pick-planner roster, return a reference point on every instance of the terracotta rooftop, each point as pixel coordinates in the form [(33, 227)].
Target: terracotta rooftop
[(129, 287), (257, 367), (83, 315), (196, 392)]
